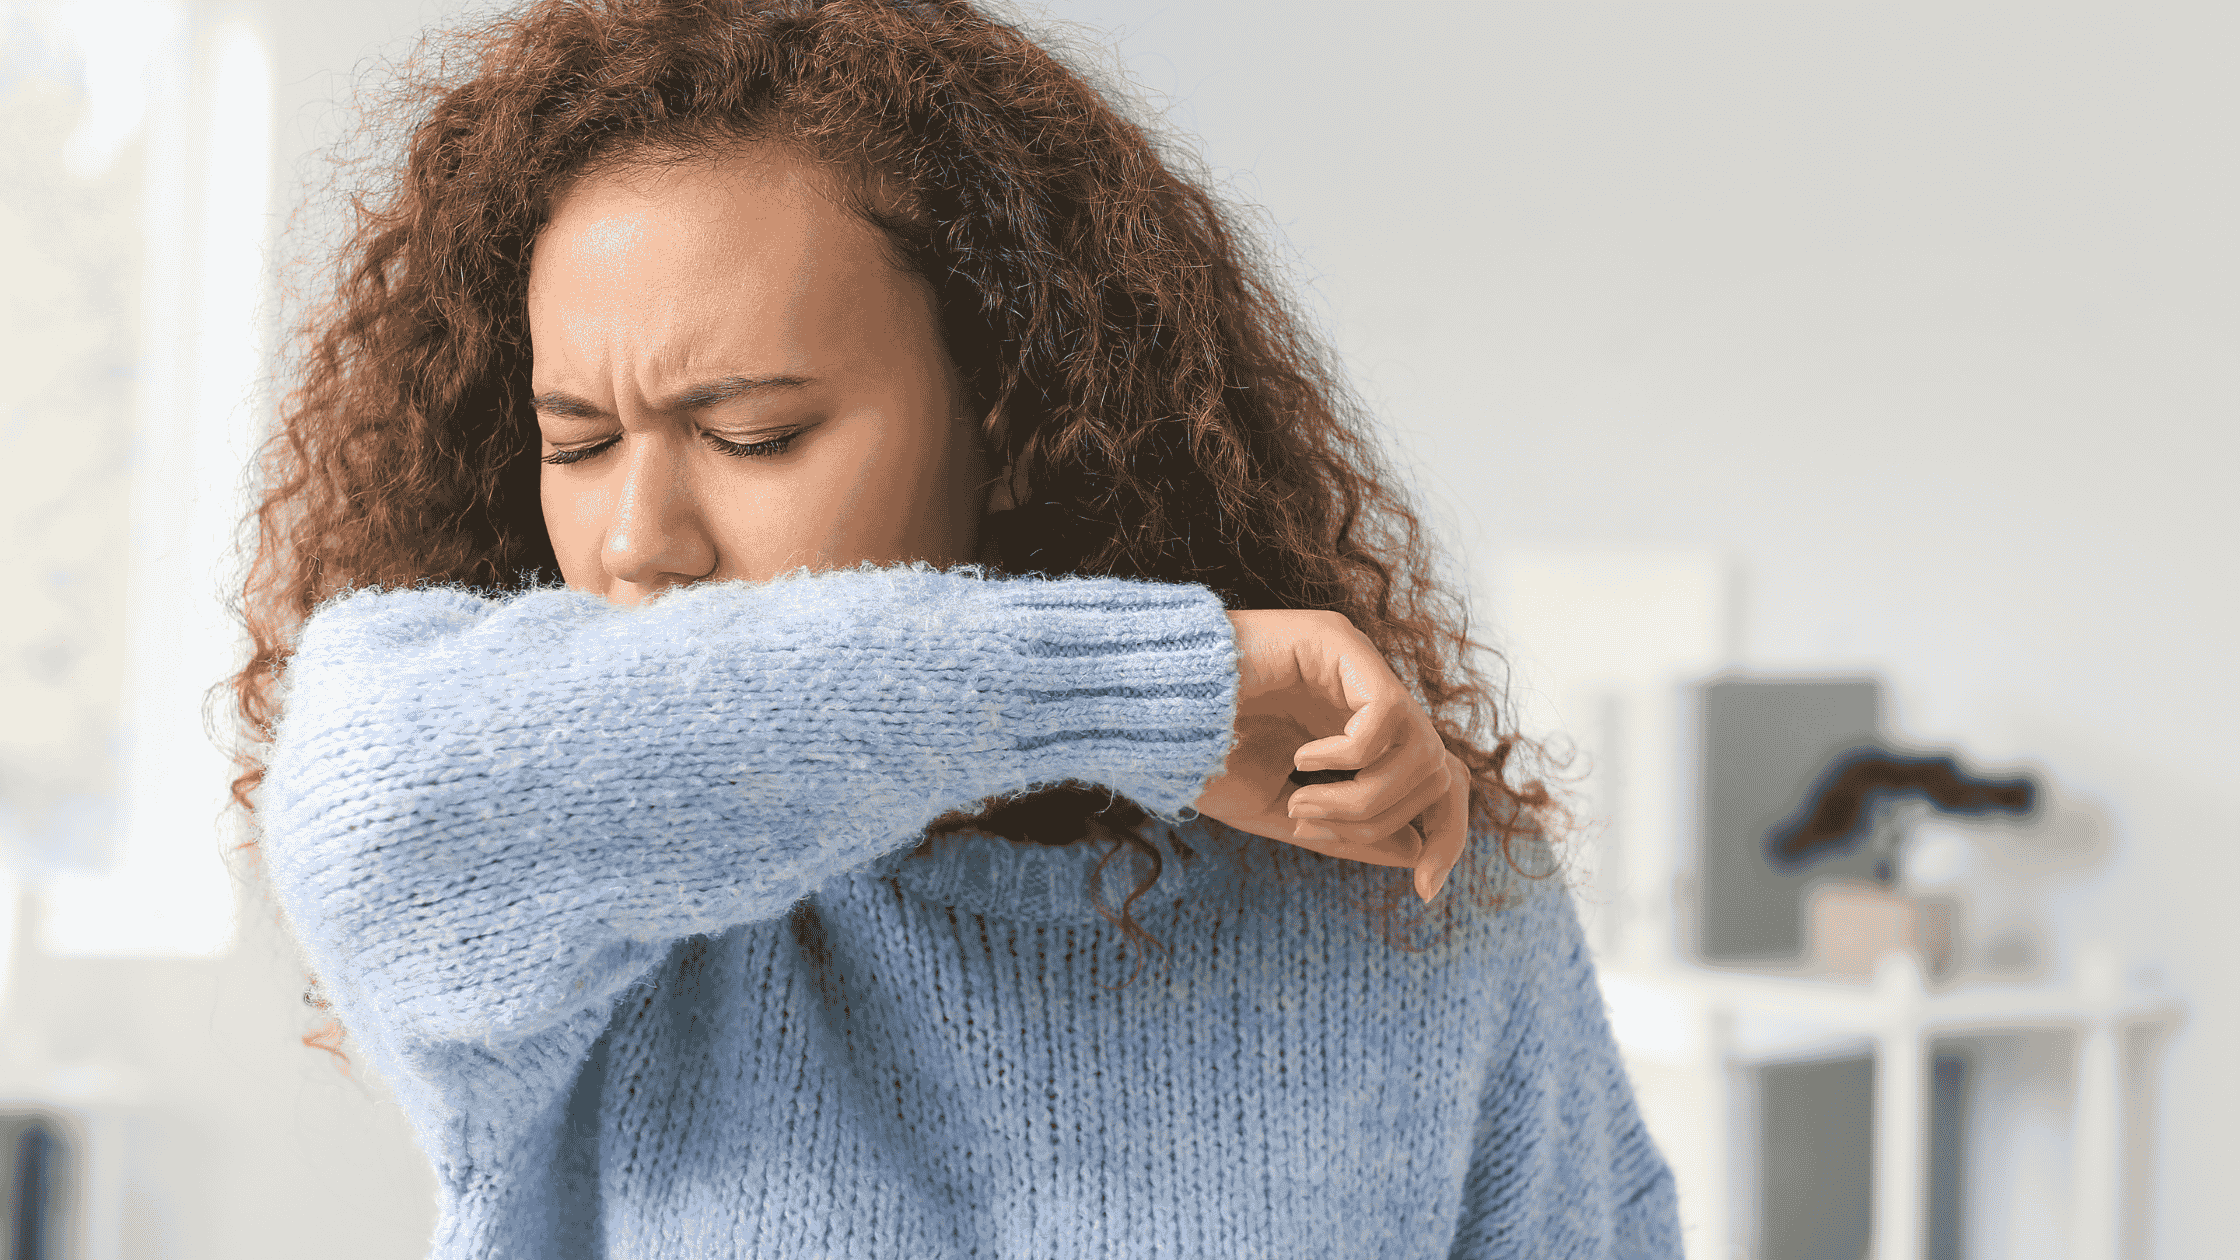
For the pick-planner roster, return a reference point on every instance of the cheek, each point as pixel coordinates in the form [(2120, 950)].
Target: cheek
[(920, 479), (576, 514), (889, 491)]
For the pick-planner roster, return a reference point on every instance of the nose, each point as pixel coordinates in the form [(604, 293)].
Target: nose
[(656, 538)]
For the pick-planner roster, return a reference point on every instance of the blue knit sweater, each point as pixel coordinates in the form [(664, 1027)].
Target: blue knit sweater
[(619, 903)]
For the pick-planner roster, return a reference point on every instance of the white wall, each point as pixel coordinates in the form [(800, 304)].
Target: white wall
[(1923, 314)]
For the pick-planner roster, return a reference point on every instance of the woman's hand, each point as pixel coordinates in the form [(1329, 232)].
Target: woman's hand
[(1314, 694)]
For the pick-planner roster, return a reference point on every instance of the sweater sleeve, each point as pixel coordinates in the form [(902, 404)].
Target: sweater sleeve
[(1562, 1164), (485, 817)]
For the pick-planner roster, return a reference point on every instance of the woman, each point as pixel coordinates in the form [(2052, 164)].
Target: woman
[(748, 896)]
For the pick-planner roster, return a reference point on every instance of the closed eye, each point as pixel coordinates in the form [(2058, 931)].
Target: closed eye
[(581, 452), (764, 449)]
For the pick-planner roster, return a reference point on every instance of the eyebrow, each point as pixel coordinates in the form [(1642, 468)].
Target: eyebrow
[(693, 398)]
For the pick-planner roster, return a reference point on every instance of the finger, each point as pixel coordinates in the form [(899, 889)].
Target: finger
[(1428, 790), (1385, 853), (1370, 733), (1447, 832), (1372, 793), (1364, 684), (1376, 788)]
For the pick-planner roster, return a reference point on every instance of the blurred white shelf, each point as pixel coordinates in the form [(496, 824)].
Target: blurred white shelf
[(1706, 1022)]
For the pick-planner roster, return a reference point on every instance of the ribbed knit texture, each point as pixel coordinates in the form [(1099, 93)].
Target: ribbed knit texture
[(618, 902)]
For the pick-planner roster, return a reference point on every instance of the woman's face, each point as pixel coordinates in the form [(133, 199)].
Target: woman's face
[(733, 380)]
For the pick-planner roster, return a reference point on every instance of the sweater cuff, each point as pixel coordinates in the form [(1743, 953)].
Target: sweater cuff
[(1127, 684)]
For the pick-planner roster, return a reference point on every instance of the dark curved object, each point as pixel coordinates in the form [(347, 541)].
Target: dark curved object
[(1053, 817), (1838, 813)]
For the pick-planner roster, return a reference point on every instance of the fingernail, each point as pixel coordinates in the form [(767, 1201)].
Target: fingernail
[(1307, 831), (1436, 882)]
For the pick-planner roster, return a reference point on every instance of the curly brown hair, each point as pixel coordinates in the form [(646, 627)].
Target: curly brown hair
[(1171, 417)]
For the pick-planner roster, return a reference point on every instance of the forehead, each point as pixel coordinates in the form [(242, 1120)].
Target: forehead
[(756, 207), (714, 256)]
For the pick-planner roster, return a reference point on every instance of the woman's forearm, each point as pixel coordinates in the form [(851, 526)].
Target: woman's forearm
[(477, 806)]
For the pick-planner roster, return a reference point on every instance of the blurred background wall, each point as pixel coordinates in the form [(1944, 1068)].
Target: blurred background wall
[(1883, 342)]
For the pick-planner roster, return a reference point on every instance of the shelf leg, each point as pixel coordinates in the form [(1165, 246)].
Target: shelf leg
[(1901, 1101), (2096, 1144)]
